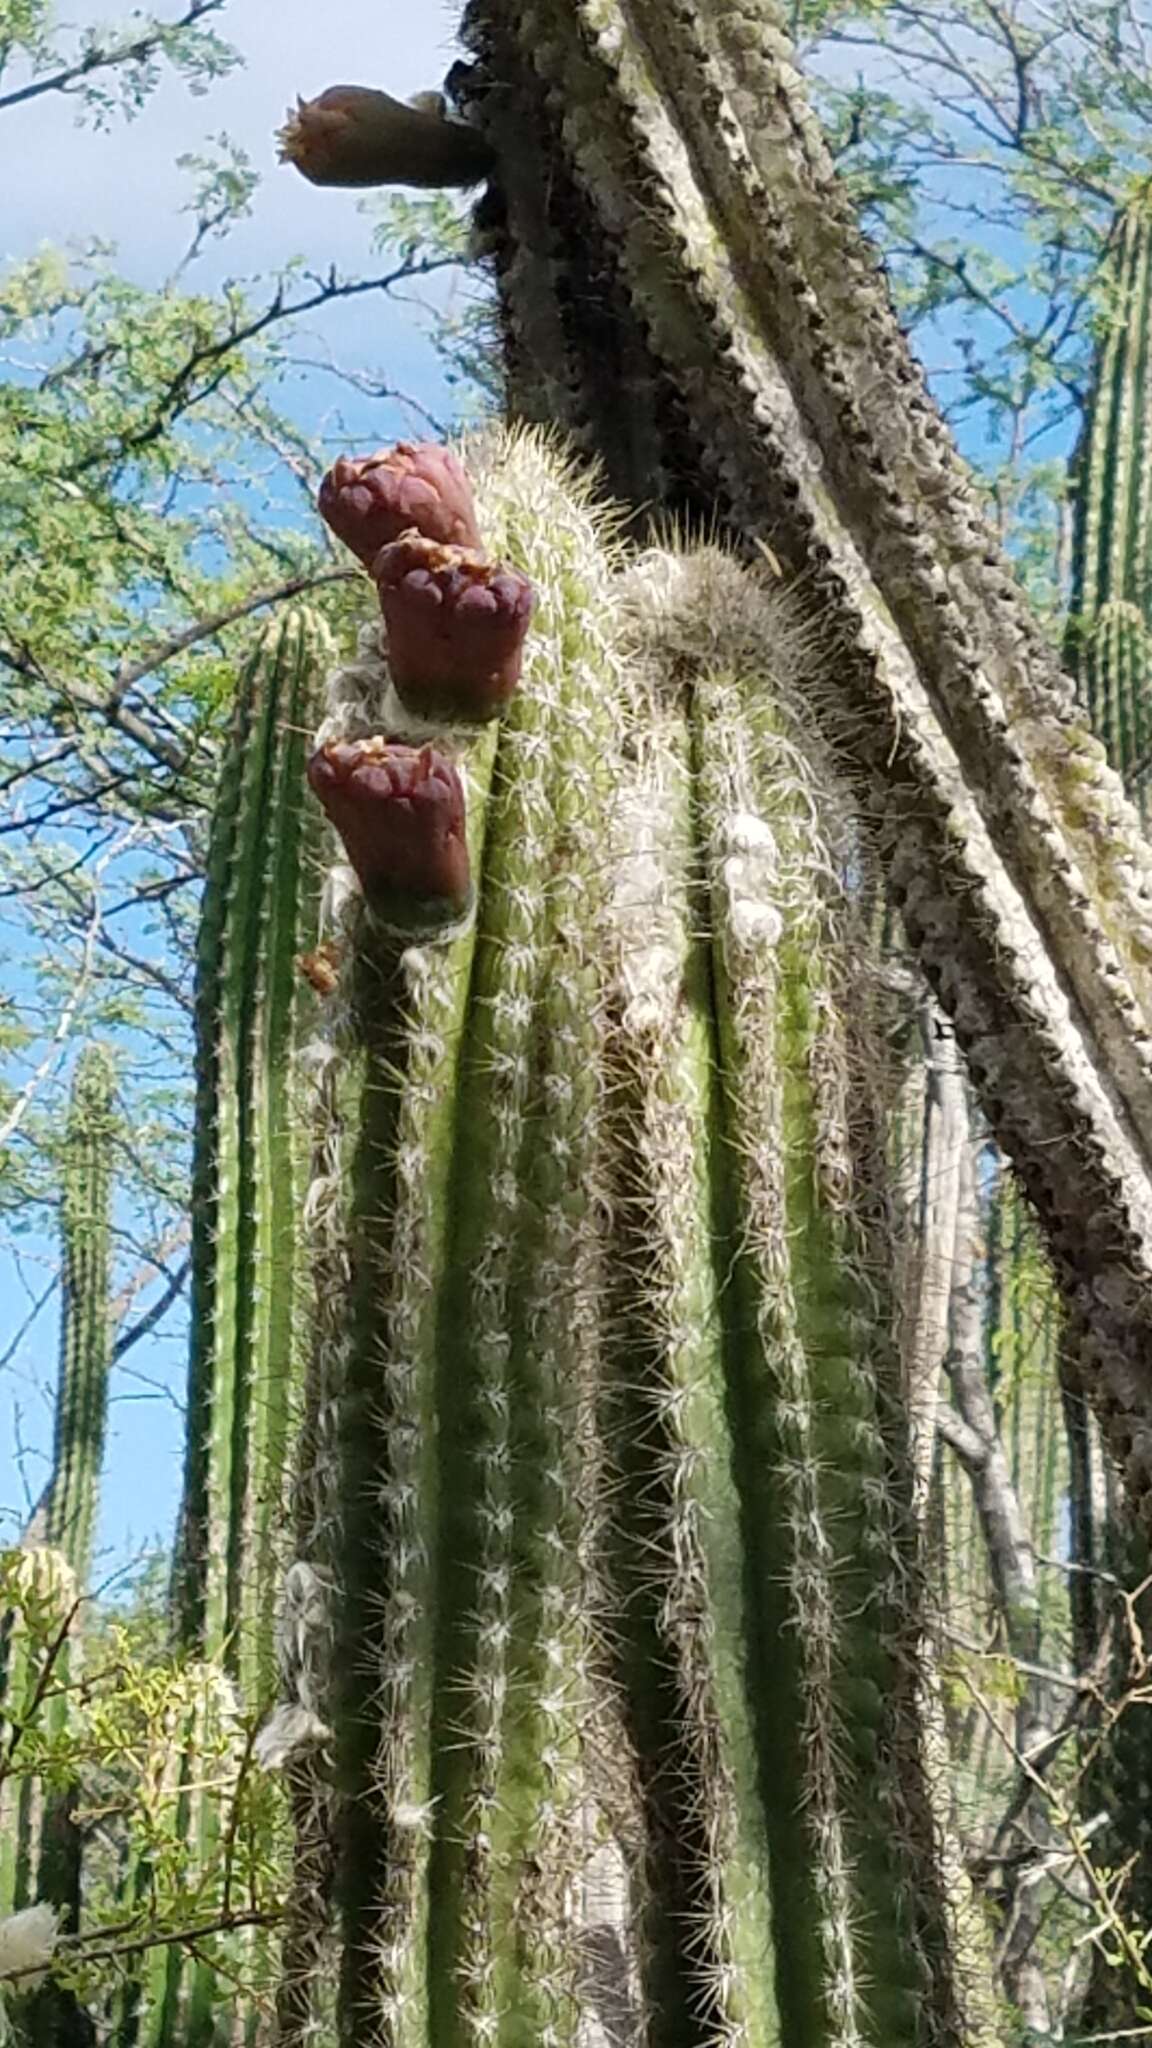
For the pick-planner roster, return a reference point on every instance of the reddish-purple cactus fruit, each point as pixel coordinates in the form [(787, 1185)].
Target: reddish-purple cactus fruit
[(455, 624), (400, 813), (370, 500), (352, 135)]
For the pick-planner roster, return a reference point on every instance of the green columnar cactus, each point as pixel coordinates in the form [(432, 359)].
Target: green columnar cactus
[(606, 1502), (1024, 1335), (1109, 648), (259, 922), (1109, 644), (244, 1383), (68, 1509), (38, 1603), (1109, 641), (189, 1777), (42, 1857), (684, 289)]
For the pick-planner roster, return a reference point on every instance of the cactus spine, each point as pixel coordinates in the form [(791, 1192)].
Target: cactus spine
[(259, 912), (615, 1529)]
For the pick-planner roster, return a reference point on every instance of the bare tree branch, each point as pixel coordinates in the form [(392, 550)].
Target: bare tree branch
[(182, 391), (106, 57), (164, 650), (156, 1313)]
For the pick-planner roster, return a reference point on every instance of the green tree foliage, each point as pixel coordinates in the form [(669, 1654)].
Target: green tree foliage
[(156, 512), (145, 1739), (993, 146), (107, 70), (154, 509)]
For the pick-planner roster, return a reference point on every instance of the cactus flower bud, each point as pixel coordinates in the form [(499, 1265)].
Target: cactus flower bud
[(400, 813), (370, 500), (455, 625), (353, 136)]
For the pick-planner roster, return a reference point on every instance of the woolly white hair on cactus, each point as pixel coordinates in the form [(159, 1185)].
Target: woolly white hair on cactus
[(27, 1945), (288, 1730)]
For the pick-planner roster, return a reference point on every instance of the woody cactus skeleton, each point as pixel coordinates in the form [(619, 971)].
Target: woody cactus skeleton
[(684, 289)]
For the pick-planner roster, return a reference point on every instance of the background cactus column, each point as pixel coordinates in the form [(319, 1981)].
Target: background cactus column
[(259, 913), (1109, 636), (253, 1007), (58, 1544), (71, 1503), (67, 1513), (41, 1847)]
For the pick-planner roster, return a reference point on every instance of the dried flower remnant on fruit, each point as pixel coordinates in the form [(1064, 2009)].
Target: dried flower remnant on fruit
[(370, 500), (353, 136), (400, 813), (455, 624)]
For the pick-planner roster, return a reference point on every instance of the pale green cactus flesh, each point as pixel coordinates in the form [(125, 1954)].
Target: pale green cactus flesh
[(604, 1486), (70, 1504), (258, 916)]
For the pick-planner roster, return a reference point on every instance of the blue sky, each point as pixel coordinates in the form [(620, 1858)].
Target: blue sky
[(124, 186)]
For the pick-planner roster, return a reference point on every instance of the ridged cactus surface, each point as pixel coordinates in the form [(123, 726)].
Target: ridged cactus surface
[(38, 1603), (173, 1994), (605, 1494), (41, 1622), (258, 917), (1110, 634), (69, 1507)]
